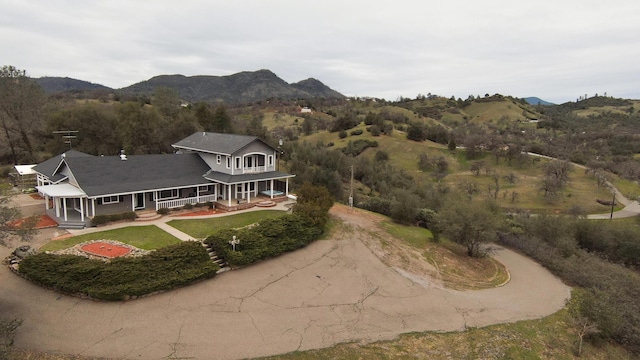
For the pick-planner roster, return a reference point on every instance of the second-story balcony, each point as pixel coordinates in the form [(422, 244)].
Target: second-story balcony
[(254, 169)]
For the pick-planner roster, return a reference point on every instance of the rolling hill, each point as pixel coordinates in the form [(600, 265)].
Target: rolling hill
[(52, 85)]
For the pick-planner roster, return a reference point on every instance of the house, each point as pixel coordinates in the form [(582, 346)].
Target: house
[(228, 170)]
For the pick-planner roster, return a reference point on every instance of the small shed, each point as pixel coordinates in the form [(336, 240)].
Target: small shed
[(24, 176)]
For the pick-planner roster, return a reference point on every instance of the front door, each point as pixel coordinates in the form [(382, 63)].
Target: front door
[(138, 201)]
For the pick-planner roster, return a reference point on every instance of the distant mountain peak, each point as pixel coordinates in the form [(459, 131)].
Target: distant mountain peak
[(532, 100), (242, 87)]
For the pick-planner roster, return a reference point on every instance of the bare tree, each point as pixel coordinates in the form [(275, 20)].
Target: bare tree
[(21, 102)]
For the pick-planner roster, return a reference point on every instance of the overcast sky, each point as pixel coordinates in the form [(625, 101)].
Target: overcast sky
[(556, 50)]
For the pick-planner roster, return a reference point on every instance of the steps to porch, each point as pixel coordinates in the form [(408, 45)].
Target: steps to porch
[(215, 258), (147, 215)]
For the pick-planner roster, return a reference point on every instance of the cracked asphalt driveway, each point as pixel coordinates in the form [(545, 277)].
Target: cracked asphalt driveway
[(332, 291)]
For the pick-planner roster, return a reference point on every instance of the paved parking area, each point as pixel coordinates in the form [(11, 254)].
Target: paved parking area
[(329, 292)]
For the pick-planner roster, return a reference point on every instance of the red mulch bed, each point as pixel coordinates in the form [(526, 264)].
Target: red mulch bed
[(44, 221), (199, 213), (36, 196), (105, 249)]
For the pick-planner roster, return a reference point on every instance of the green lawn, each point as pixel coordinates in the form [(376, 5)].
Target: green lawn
[(416, 236), (201, 228), (143, 237)]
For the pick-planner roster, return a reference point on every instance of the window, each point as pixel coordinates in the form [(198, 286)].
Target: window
[(219, 159), (270, 160), (203, 188), (228, 162), (238, 163), (168, 194), (110, 199)]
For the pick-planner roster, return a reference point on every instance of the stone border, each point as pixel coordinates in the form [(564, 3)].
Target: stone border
[(77, 251)]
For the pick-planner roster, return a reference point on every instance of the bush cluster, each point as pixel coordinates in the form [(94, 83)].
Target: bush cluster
[(267, 239), (104, 219), (612, 291), (121, 278), (356, 147)]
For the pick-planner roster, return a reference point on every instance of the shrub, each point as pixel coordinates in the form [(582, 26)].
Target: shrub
[(163, 211), (342, 134), (104, 219), (166, 268), (187, 206), (355, 148), (267, 239), (356, 132)]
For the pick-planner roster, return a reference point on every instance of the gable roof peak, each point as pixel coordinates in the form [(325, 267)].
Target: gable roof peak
[(217, 143)]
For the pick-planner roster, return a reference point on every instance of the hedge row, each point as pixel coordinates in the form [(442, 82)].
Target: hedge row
[(269, 238), (104, 219), (121, 278)]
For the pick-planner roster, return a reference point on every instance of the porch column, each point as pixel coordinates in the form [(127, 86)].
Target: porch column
[(46, 202), (198, 194), (82, 209), (248, 185), (64, 207), (56, 204), (229, 198), (215, 192), (287, 186), (93, 207), (271, 189)]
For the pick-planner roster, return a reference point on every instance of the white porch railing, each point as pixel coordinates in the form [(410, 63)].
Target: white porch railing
[(175, 203), (254, 170)]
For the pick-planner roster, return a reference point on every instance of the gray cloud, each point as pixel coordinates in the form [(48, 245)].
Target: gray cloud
[(551, 49)]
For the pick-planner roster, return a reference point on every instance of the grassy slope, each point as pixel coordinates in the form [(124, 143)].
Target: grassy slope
[(582, 190), (201, 228), (143, 237), (548, 338)]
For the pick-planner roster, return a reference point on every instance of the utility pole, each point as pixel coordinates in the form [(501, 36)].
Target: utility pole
[(613, 203), (351, 190)]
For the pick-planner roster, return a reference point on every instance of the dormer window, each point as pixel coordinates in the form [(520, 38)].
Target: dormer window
[(219, 159), (228, 162), (238, 162)]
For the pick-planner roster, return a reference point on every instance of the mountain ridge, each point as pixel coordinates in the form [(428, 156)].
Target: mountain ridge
[(242, 87)]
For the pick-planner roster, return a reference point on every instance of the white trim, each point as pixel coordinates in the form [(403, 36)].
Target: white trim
[(157, 194), (110, 199)]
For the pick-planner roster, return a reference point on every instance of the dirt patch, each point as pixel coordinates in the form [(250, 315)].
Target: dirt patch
[(434, 265)]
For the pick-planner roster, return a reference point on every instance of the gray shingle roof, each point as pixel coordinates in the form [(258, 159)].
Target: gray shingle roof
[(99, 176), (48, 167), (215, 142)]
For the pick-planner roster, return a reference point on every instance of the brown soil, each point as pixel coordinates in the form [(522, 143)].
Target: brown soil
[(435, 265)]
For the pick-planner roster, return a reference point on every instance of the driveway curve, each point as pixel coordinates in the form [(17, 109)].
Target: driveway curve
[(332, 291)]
